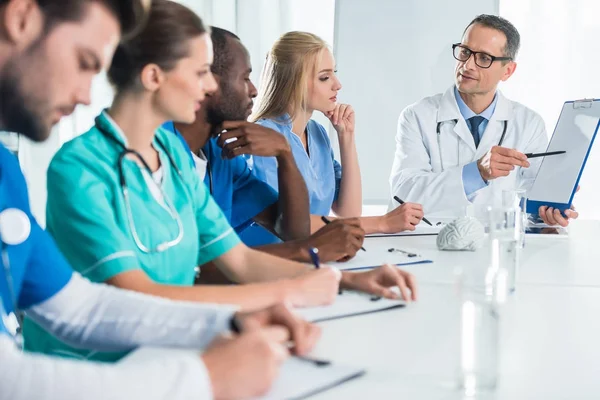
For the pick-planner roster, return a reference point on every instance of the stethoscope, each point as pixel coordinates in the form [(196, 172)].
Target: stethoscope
[(172, 210), (455, 121), (15, 228)]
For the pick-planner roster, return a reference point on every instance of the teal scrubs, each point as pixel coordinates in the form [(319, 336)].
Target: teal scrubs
[(86, 214)]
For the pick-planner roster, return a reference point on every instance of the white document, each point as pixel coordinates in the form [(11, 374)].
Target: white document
[(348, 304), (378, 253), (422, 229), (300, 379), (574, 133)]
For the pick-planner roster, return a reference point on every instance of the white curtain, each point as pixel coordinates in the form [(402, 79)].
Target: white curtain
[(559, 61)]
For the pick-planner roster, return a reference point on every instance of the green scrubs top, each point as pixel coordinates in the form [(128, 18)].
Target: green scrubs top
[(87, 215)]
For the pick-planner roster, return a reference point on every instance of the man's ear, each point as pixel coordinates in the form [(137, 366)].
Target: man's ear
[(511, 67), (22, 22)]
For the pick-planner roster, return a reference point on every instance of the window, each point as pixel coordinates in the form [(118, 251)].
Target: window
[(559, 61)]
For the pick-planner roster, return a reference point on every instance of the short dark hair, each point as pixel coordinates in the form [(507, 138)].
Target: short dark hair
[(130, 13), (164, 40), (222, 54), (513, 38)]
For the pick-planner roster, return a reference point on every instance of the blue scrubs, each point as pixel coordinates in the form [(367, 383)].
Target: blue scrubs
[(236, 190), (321, 172), (37, 268)]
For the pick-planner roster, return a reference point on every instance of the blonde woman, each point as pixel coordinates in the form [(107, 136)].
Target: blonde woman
[(300, 78)]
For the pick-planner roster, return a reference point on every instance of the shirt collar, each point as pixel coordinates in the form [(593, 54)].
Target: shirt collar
[(105, 123), (109, 126), (284, 120), (467, 113)]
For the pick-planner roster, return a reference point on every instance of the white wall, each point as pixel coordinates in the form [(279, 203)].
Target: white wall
[(390, 54), (261, 22)]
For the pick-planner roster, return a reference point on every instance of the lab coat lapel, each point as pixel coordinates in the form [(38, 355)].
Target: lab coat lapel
[(493, 132), (449, 111)]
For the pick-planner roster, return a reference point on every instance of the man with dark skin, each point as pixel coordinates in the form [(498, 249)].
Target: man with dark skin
[(243, 197)]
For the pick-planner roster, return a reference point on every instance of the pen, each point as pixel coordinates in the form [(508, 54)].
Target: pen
[(550, 153), (327, 221), (316, 361), (313, 252), (236, 327), (408, 253), (401, 202)]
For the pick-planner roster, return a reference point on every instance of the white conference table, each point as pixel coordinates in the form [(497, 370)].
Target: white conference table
[(546, 260), (550, 327)]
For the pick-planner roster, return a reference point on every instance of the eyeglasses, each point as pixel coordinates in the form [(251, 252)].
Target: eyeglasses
[(482, 60)]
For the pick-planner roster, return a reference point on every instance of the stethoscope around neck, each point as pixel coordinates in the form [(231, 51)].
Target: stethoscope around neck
[(15, 228), (455, 121), (123, 183)]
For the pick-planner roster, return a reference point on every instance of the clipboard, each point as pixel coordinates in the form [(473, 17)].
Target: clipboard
[(378, 253), (299, 380), (349, 304), (558, 176)]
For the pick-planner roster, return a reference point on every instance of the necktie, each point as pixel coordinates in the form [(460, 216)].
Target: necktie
[(474, 123)]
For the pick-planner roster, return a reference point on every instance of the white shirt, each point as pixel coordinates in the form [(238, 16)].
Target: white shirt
[(201, 163)]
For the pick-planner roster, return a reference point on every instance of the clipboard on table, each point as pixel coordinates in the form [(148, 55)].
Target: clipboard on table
[(558, 176), (349, 304), (299, 380), (382, 252)]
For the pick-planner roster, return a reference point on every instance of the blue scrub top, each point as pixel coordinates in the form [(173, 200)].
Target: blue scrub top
[(239, 193), (37, 268), (321, 172)]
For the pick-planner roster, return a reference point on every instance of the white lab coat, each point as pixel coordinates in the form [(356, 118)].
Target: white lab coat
[(419, 175)]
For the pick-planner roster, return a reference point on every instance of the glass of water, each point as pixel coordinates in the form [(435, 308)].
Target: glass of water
[(516, 199), (479, 325), (505, 249)]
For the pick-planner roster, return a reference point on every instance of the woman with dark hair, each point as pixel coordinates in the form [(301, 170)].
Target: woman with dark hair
[(126, 207), (71, 43)]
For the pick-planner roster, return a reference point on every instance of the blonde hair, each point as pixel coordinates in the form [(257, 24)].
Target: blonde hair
[(290, 65)]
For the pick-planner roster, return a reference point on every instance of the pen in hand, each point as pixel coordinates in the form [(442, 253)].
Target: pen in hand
[(550, 153), (327, 222), (313, 252), (402, 202), (236, 327)]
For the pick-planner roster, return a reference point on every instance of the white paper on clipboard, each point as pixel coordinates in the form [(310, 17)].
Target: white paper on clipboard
[(559, 175)]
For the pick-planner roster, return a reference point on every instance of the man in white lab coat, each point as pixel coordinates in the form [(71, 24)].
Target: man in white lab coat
[(465, 146)]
